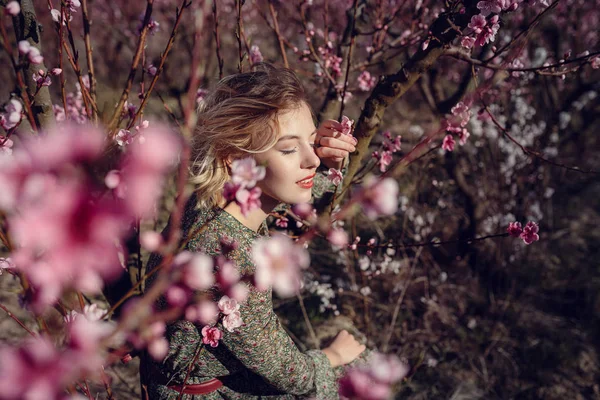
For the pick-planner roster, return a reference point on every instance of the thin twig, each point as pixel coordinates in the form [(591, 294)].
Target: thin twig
[(17, 320), (307, 321), (88, 52), (399, 302), (133, 69), (217, 38), (185, 4), (349, 59), (278, 34)]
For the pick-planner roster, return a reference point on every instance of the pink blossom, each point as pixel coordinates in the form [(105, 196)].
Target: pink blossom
[(41, 78), (514, 229), (278, 263), (34, 371), (228, 305), (373, 381), (151, 70), (595, 62), (530, 233), (255, 55), (211, 335), (391, 145), (303, 210), (463, 135), (227, 273), (198, 270), (488, 7), (151, 240), (384, 160), (239, 292), (338, 238), (5, 264), (232, 321), (151, 337), (448, 143), (13, 8), (282, 222), (248, 200), (5, 145), (124, 137), (73, 5), (56, 71), (379, 197), (204, 312), (246, 173), (84, 339), (366, 82), (478, 22), (335, 176), (12, 114), (32, 52), (177, 295), (487, 35), (467, 42), (145, 167), (346, 125)]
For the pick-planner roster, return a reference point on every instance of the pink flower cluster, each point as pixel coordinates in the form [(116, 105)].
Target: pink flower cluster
[(33, 53), (335, 176), (528, 234), (278, 264), (75, 107), (41, 78), (390, 146), (366, 82), (330, 59), (231, 313), (11, 115), (379, 196), (374, 380), (13, 8), (146, 163), (455, 124), (484, 29), (65, 231), (241, 189)]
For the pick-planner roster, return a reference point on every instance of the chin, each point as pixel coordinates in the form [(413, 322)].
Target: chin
[(297, 196)]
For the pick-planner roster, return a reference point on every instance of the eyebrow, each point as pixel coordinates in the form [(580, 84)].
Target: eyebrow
[(288, 137)]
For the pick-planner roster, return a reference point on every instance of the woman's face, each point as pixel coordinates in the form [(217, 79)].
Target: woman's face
[(292, 162)]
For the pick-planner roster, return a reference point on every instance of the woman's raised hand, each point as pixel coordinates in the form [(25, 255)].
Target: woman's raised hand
[(332, 146), (344, 349)]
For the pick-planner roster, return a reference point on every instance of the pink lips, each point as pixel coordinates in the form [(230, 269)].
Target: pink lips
[(307, 182)]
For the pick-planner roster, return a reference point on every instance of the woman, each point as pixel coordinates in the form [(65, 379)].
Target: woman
[(263, 114)]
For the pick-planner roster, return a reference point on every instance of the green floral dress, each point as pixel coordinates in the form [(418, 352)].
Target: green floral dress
[(256, 361)]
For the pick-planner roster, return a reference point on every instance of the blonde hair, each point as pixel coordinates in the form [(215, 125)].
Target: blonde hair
[(239, 118)]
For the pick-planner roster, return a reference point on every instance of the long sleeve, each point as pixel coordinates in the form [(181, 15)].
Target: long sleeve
[(264, 347)]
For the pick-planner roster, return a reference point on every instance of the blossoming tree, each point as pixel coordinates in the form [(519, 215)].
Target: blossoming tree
[(467, 102)]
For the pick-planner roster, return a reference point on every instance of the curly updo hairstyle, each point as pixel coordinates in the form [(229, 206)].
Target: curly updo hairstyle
[(237, 119)]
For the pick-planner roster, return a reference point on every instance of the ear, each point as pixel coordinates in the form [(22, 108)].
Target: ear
[(228, 162)]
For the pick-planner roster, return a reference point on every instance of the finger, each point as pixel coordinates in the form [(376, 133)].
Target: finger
[(332, 124), (336, 144), (327, 131), (327, 152)]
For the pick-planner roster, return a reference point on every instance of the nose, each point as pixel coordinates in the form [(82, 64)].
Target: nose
[(310, 160)]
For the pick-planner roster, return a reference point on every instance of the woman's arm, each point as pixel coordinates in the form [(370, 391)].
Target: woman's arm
[(264, 347)]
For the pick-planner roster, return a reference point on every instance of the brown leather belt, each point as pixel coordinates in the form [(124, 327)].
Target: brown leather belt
[(198, 388)]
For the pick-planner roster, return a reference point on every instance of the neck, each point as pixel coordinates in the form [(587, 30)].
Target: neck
[(254, 218)]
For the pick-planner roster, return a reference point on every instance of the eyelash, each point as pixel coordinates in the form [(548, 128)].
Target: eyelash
[(286, 152)]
